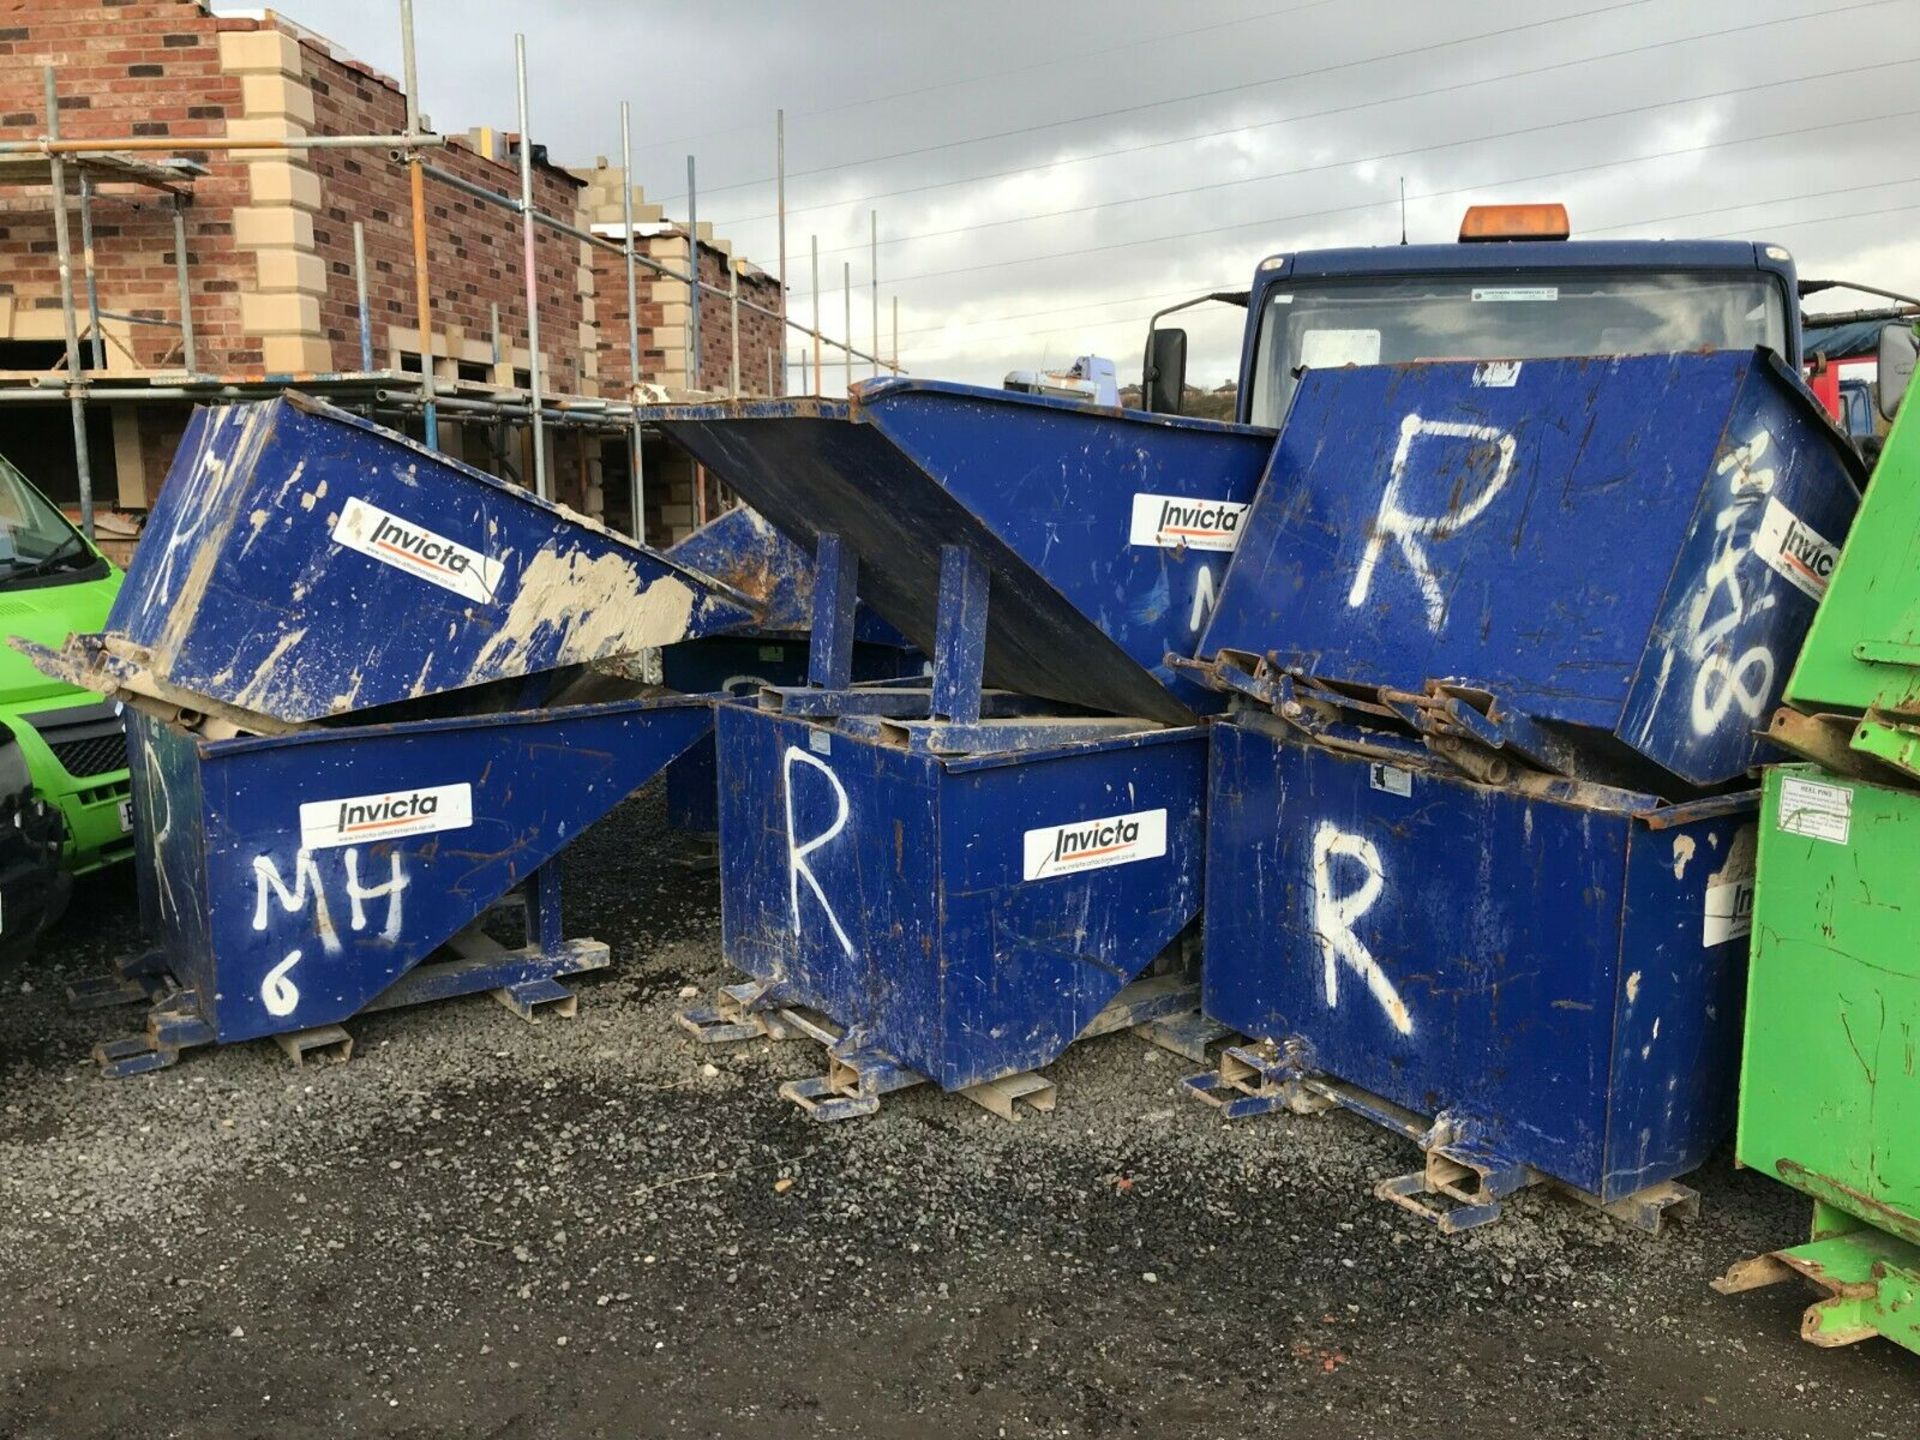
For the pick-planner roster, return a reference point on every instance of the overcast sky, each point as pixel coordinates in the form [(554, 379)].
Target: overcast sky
[(1047, 174)]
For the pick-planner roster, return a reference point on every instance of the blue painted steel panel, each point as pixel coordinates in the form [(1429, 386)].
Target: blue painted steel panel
[(391, 570), (741, 666), (1105, 531), (1613, 544), (290, 880), (889, 889), (741, 550), (1539, 971)]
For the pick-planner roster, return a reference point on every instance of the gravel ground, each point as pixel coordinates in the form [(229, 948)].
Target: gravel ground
[(597, 1228)]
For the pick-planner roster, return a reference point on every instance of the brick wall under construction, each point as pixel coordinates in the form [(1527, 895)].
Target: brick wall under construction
[(270, 238)]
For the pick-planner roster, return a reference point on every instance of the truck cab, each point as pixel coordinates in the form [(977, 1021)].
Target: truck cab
[(55, 582), (1515, 287)]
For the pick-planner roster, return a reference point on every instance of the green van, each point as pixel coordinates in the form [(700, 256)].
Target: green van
[(54, 582)]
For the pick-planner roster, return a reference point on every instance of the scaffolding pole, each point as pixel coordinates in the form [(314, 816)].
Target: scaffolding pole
[(63, 248), (417, 188), (873, 263), (532, 278), (813, 242), (693, 287), (365, 315), (96, 341), (780, 211), (636, 486), (846, 295), (188, 355), (733, 324)]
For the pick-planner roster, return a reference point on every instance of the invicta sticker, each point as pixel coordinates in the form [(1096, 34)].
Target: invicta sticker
[(364, 819), (420, 552), (1795, 549), (1095, 844), (1171, 521)]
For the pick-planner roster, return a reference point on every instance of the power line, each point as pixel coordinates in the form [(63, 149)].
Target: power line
[(1750, 205), (1585, 231), (1829, 219), (1333, 110), (1374, 204), (1214, 93), (1342, 164), (1075, 58)]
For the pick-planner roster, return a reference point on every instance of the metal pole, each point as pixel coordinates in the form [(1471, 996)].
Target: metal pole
[(814, 242), (896, 335), (187, 353), (533, 289), (98, 341), (693, 285), (63, 248), (733, 317), (846, 294), (637, 486), (873, 251), (360, 294), (220, 144), (417, 178), (780, 210)]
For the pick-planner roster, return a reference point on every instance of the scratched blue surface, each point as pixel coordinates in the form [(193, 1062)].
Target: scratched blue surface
[(1044, 490), (1547, 964), (1581, 538), (242, 591), (740, 665), (743, 550), (944, 956), (219, 822)]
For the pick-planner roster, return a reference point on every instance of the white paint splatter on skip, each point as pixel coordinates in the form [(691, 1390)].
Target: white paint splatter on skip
[(1395, 523), (1334, 916), (599, 605), (1683, 848), (797, 853)]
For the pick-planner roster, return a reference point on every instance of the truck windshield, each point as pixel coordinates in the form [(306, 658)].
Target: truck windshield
[(35, 538), (1504, 317)]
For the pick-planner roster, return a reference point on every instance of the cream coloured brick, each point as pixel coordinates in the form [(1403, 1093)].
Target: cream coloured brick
[(277, 226), (278, 313), (281, 182), (268, 52), (276, 95), (297, 354), (292, 270), (262, 127)]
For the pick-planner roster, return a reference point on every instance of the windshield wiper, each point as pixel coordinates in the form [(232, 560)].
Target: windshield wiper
[(41, 566)]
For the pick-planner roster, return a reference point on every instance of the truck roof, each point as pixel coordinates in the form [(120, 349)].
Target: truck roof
[(1536, 255)]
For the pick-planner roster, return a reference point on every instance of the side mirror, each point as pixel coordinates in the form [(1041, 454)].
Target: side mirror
[(1899, 346), (1164, 380)]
